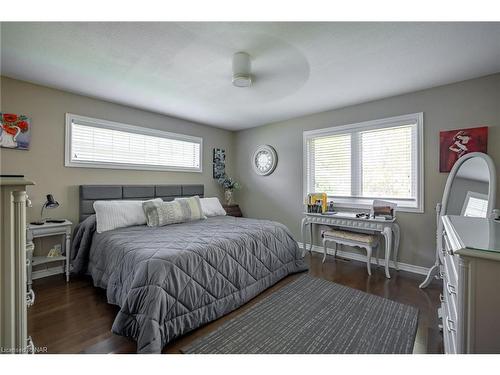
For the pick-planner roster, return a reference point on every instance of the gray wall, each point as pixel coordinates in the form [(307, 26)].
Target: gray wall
[(280, 196), (44, 162)]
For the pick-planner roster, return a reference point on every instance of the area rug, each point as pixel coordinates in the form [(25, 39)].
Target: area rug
[(312, 315)]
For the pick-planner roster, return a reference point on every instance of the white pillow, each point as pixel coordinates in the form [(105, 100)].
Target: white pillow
[(212, 207), (119, 214)]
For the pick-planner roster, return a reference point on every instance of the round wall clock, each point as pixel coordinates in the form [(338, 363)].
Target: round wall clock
[(264, 160)]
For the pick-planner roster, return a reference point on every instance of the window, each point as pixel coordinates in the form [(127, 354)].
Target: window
[(94, 143), (355, 164), (475, 205)]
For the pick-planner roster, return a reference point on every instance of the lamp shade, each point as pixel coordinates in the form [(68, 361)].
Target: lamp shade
[(51, 202)]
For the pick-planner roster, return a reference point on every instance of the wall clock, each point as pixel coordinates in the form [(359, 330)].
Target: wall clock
[(264, 160)]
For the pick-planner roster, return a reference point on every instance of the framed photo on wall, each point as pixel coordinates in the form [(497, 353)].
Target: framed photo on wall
[(455, 143)]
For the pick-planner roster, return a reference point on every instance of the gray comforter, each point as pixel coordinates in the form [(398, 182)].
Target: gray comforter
[(170, 280)]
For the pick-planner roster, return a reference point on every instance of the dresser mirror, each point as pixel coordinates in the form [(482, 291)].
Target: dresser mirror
[(471, 187), (470, 190)]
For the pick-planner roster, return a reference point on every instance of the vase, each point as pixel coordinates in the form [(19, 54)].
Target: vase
[(228, 195)]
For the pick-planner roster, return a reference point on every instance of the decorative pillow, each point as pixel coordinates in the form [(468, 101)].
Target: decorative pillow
[(178, 211), (212, 207), (119, 214)]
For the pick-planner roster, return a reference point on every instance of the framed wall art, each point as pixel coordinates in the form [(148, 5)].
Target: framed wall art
[(15, 131), (219, 163), (455, 143)]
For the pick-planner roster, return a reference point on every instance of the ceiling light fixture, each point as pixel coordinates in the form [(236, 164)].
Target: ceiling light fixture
[(241, 70)]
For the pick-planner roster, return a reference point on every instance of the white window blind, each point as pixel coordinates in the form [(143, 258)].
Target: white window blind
[(102, 144), (357, 163), (330, 166), (386, 162)]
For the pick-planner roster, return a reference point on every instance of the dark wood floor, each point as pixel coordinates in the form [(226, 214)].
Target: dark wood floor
[(75, 317)]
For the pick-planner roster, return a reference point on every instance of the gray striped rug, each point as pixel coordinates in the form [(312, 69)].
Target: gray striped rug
[(312, 315)]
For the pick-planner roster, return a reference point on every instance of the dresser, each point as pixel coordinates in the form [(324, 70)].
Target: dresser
[(470, 269), (13, 293)]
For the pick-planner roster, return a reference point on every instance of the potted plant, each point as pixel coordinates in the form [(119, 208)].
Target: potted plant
[(229, 186)]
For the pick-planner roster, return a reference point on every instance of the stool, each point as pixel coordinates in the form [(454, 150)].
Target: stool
[(369, 242)]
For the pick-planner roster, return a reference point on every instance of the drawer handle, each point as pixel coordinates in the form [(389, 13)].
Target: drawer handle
[(451, 288), (450, 325)]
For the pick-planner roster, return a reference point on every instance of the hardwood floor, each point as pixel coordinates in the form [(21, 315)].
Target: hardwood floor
[(75, 317)]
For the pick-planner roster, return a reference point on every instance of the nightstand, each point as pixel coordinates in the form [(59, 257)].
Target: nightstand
[(51, 229), (232, 210)]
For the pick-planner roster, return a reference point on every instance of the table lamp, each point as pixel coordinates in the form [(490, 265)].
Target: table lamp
[(49, 203)]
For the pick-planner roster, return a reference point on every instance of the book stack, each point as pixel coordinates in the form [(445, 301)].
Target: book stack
[(316, 203)]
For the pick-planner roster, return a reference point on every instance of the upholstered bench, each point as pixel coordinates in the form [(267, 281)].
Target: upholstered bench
[(355, 239)]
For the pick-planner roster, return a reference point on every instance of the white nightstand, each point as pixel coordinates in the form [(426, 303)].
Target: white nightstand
[(46, 230)]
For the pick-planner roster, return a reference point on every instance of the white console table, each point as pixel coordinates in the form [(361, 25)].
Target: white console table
[(389, 229)]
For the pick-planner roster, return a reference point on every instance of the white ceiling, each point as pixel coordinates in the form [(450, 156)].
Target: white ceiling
[(184, 69)]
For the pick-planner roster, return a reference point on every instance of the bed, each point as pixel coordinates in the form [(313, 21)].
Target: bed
[(170, 280)]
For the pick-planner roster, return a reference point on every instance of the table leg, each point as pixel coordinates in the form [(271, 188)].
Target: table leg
[(68, 250), (387, 233), (311, 237), (396, 231), (303, 233)]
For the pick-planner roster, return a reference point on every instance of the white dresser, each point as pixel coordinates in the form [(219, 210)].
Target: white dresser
[(13, 295), (470, 269)]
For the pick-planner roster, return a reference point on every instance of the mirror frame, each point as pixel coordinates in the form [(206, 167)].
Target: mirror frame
[(441, 207), (451, 177)]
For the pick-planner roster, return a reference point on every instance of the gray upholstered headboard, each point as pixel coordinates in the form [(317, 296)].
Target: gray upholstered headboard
[(91, 193)]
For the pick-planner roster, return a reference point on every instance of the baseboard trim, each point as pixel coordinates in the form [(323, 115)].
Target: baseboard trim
[(353, 256)]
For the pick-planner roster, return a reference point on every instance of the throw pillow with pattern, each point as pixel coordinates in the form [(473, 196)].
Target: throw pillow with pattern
[(178, 211)]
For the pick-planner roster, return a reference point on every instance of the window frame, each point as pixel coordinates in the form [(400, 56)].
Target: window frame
[(111, 125), (366, 203)]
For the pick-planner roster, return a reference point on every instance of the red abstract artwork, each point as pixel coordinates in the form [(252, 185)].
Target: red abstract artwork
[(455, 143)]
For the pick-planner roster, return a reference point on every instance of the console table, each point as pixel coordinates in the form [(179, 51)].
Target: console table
[(389, 229)]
